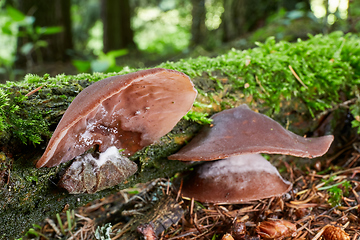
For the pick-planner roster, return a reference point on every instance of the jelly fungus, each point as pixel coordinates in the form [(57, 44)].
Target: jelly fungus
[(235, 180), (242, 131), (129, 112)]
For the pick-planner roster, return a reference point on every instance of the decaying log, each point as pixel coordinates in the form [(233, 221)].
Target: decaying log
[(28, 194)]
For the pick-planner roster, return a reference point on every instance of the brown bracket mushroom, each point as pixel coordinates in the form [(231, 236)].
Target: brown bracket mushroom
[(235, 180), (242, 131), (129, 112), (238, 134)]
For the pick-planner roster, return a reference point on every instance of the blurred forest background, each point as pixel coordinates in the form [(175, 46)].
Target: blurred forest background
[(72, 36)]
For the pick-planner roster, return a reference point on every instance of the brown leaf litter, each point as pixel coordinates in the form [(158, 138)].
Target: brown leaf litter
[(324, 203)]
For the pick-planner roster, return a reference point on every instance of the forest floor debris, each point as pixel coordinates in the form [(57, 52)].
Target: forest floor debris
[(324, 203)]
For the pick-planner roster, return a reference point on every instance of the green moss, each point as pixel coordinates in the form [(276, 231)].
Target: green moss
[(199, 117), (32, 194), (328, 68)]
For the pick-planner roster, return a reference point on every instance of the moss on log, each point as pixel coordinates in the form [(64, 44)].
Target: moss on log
[(291, 82), (28, 194)]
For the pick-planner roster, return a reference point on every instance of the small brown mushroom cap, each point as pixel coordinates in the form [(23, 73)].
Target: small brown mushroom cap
[(235, 180), (129, 111), (243, 131)]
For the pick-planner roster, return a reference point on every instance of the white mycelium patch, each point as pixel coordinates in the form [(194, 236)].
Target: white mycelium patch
[(236, 179), (238, 164), (112, 153), (232, 167)]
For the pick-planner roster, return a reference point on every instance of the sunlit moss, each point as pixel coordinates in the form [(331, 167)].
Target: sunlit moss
[(313, 72)]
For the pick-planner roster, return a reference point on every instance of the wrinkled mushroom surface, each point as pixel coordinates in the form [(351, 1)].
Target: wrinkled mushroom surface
[(235, 180), (128, 111), (242, 131)]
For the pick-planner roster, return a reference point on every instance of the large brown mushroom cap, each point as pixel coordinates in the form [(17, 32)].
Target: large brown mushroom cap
[(235, 180), (129, 111), (242, 131)]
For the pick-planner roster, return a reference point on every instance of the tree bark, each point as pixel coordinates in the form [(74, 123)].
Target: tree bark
[(353, 16), (243, 16), (293, 4), (198, 27), (28, 194), (233, 19), (48, 14), (116, 17)]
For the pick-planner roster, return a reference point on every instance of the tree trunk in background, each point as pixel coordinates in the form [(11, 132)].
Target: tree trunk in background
[(354, 16), (292, 4), (116, 16), (47, 14), (243, 16), (198, 27), (233, 19)]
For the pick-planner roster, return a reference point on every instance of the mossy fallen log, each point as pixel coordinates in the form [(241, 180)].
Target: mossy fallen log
[(291, 82), (29, 194)]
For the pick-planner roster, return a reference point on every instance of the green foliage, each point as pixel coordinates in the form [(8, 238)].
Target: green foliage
[(35, 231), (164, 30), (4, 102), (71, 221), (201, 116), (288, 25), (61, 225), (16, 24), (32, 178), (27, 123), (326, 65), (198, 117), (336, 191), (103, 63), (355, 111)]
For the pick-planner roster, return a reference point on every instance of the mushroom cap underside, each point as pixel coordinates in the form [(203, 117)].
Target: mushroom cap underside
[(128, 111), (235, 180), (242, 131)]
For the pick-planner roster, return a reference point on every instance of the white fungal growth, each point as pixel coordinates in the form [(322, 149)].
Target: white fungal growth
[(110, 153), (235, 180), (238, 164)]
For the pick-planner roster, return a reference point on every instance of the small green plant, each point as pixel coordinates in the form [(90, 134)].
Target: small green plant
[(71, 221), (32, 178), (35, 232), (105, 62), (16, 24), (198, 117), (336, 191), (355, 110)]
